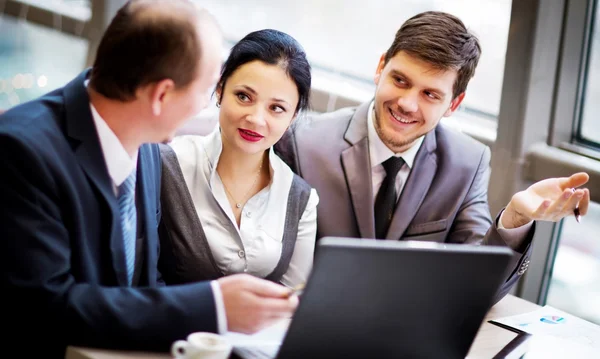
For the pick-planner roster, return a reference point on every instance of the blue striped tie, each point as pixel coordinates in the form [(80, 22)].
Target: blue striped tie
[(128, 221)]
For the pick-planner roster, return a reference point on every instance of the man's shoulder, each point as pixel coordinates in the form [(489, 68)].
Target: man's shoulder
[(314, 135), (32, 141), (316, 122), (451, 138), (36, 121), (459, 147), (322, 129)]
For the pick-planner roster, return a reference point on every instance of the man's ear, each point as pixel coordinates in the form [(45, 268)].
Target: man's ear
[(160, 93), (379, 70), (454, 105)]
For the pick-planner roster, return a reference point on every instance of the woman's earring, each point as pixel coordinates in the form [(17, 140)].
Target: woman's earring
[(218, 105)]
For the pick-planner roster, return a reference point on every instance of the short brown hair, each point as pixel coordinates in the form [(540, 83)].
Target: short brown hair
[(441, 40), (147, 41)]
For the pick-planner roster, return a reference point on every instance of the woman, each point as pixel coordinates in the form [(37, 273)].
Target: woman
[(229, 203)]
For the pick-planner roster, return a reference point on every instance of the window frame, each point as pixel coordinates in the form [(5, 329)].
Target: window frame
[(567, 120), (579, 139), (540, 115)]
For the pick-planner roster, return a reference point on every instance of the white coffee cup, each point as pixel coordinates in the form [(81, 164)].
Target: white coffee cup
[(201, 345)]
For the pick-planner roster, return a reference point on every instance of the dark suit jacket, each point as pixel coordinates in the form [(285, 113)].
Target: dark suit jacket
[(63, 266), (444, 198)]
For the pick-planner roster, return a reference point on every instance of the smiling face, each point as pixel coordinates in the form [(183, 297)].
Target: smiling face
[(410, 99), (258, 103)]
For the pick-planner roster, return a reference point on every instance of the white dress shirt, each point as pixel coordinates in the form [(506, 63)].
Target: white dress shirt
[(379, 153), (118, 162), (255, 247), (120, 165)]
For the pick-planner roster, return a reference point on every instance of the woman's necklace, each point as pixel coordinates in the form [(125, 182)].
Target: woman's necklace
[(238, 204)]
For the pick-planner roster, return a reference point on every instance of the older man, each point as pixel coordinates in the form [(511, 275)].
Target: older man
[(80, 198)]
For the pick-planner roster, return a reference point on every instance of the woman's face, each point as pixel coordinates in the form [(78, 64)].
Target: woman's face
[(258, 103)]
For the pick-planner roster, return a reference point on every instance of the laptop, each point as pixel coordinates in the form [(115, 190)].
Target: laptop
[(387, 299)]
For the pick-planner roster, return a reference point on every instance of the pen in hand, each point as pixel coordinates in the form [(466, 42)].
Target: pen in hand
[(576, 210), (297, 290)]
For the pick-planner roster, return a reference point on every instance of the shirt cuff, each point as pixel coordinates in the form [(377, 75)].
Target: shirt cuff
[(514, 237), (220, 307)]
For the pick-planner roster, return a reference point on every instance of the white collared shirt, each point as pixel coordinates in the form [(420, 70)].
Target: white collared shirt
[(379, 153), (255, 247), (118, 162)]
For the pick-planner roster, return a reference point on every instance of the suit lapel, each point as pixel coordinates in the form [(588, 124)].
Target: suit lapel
[(81, 128), (146, 194), (416, 187), (357, 170)]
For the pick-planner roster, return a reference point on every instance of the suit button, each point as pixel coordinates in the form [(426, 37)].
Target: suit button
[(249, 214), (241, 254), (523, 269)]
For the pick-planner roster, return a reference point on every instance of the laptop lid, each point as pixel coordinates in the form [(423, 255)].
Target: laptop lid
[(385, 299)]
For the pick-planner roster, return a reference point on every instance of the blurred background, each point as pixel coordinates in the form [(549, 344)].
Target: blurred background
[(534, 100)]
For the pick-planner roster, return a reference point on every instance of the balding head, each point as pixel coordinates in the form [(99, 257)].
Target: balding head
[(152, 40)]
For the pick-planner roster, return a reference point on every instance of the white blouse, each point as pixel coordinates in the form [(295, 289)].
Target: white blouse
[(255, 247)]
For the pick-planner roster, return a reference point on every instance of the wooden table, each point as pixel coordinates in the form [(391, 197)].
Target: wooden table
[(489, 340)]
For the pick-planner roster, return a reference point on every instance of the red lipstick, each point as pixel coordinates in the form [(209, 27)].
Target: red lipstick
[(250, 136)]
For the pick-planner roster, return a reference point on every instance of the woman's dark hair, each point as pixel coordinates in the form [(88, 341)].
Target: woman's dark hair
[(274, 48)]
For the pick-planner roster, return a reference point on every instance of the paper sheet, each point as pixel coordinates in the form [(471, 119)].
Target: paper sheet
[(267, 340), (549, 321)]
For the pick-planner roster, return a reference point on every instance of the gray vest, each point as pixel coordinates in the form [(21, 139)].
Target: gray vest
[(185, 255)]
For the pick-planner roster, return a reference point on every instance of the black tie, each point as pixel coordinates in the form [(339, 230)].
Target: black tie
[(385, 202)]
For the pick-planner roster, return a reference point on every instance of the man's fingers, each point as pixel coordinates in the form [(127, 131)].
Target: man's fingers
[(564, 205), (295, 300), (556, 208), (257, 286), (265, 288), (252, 303), (540, 212), (576, 180), (572, 203), (277, 306)]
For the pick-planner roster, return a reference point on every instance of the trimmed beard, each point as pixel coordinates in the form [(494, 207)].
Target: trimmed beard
[(391, 142)]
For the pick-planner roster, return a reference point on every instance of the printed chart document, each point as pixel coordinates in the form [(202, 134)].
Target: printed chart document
[(551, 322)]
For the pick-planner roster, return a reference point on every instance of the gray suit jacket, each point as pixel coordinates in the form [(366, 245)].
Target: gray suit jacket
[(444, 198)]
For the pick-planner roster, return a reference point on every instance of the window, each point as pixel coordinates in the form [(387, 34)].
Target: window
[(589, 128), (575, 275), (348, 36), (35, 59)]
